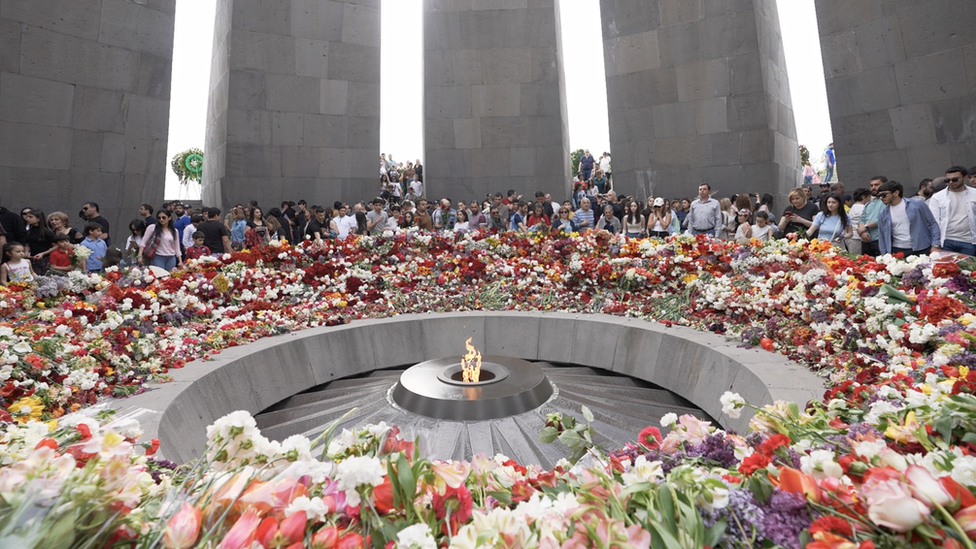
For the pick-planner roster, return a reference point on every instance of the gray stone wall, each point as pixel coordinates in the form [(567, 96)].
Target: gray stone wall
[(494, 108), (294, 107), (901, 83), (698, 92), (84, 105)]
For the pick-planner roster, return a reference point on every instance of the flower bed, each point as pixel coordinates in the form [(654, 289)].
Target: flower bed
[(883, 459)]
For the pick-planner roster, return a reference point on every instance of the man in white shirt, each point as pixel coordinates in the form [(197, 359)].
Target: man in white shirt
[(345, 223), (905, 225), (954, 209)]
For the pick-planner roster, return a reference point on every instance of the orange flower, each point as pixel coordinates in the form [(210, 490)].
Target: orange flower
[(243, 532), (797, 482)]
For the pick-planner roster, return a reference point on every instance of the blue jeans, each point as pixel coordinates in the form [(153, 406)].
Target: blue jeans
[(167, 262), (830, 173), (964, 248)]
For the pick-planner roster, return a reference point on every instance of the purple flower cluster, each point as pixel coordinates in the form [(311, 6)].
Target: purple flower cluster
[(743, 518), (785, 515), (716, 448), (914, 278), (859, 431)]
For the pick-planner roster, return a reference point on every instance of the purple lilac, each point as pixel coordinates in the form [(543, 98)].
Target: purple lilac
[(914, 278), (863, 431), (952, 328), (743, 516), (785, 516), (715, 448)]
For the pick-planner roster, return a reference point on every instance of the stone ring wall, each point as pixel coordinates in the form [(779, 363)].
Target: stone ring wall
[(698, 366)]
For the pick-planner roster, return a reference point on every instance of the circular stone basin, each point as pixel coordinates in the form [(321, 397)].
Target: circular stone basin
[(508, 386)]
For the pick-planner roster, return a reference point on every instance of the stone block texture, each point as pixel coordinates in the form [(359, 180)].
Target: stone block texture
[(697, 91), (294, 106), (84, 105), (901, 84), (494, 108)]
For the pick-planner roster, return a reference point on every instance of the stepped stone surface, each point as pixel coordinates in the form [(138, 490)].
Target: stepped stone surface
[(621, 405), (268, 374), (901, 83)]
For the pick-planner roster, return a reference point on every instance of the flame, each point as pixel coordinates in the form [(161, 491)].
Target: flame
[(471, 364)]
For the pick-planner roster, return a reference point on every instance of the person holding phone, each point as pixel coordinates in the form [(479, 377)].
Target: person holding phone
[(798, 217)]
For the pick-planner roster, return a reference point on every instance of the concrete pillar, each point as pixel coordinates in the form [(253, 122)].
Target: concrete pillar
[(294, 108), (84, 105), (698, 92), (901, 83), (494, 106)]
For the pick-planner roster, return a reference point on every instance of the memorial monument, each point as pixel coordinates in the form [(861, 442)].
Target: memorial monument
[(901, 82), (84, 105), (697, 91)]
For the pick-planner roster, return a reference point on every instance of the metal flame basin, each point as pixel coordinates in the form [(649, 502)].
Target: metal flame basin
[(516, 386)]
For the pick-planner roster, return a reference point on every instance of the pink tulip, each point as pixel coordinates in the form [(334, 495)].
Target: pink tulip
[(243, 532), (326, 538), (927, 488), (966, 517), (182, 530), (890, 502)]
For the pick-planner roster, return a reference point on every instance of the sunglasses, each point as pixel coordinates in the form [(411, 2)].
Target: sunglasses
[(953, 180), (884, 195)]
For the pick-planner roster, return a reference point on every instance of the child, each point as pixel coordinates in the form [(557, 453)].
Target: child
[(61, 255), (16, 267), (197, 250), (94, 242), (763, 229)]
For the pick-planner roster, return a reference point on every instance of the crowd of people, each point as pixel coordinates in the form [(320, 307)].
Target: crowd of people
[(878, 219)]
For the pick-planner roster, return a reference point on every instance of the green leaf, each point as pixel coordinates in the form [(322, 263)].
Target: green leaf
[(804, 538), (944, 427), (505, 498), (587, 414), (570, 438), (408, 483), (715, 533), (666, 503), (548, 435), (670, 541), (969, 437)]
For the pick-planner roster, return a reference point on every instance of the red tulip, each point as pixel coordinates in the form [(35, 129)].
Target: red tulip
[(275, 535), (766, 343), (383, 496), (326, 538), (966, 518), (183, 528), (350, 540)]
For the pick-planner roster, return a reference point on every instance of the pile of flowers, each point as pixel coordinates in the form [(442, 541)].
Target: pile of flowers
[(885, 459)]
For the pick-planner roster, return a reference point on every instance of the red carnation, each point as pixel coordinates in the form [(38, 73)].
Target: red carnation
[(650, 437), (753, 463)]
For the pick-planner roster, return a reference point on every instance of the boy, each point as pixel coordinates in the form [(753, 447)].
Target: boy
[(197, 250), (94, 242), (60, 257)]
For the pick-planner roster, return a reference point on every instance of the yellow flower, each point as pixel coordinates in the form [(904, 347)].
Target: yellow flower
[(904, 433), (963, 372), (26, 409), (689, 278)]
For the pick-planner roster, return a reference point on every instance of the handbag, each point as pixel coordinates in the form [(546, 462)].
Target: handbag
[(149, 251)]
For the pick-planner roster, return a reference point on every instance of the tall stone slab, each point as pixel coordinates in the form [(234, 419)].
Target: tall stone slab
[(84, 105), (901, 84), (294, 106), (494, 105), (697, 92)]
